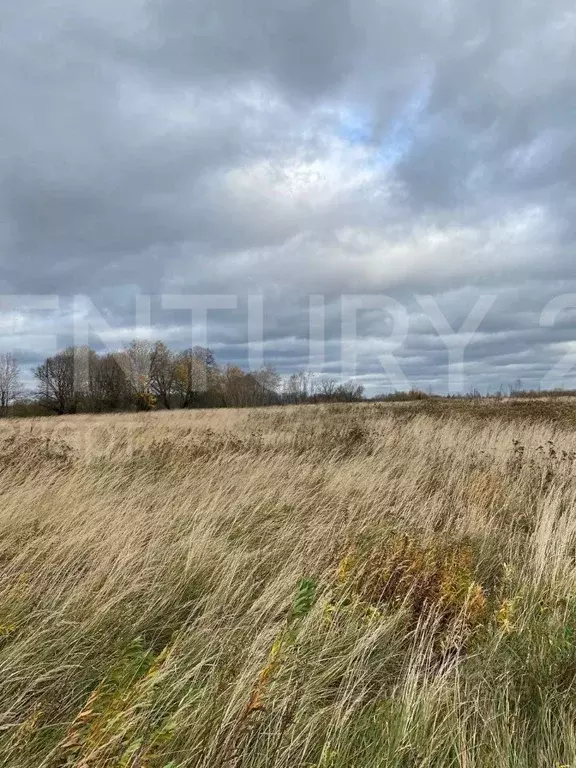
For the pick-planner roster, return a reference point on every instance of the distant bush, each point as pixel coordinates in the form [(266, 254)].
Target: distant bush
[(402, 396), (28, 408)]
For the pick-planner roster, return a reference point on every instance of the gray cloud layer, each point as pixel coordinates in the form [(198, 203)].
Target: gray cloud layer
[(287, 149)]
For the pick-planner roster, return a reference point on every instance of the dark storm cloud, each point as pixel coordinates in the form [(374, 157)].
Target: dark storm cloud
[(285, 149), (306, 47)]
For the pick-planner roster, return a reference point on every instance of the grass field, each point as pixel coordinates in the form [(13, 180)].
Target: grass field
[(321, 586)]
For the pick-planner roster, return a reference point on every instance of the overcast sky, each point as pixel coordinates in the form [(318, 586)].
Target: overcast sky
[(418, 153)]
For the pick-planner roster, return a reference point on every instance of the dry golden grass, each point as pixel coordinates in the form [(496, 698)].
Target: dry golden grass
[(321, 586)]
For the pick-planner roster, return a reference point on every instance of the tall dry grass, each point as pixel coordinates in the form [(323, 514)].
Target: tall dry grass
[(322, 586)]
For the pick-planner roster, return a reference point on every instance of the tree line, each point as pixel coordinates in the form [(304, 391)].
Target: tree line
[(149, 375)]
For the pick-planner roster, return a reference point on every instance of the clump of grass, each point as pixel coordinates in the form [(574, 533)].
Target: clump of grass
[(28, 453), (438, 578)]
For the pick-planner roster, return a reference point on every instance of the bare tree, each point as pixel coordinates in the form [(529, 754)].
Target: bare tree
[(112, 382), (237, 387), (349, 392), (162, 373), (139, 359), (195, 373), (267, 380), (86, 363), (298, 387), (56, 382), (9, 382), (327, 389)]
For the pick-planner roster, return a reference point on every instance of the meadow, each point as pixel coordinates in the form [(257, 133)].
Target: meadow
[(329, 586)]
